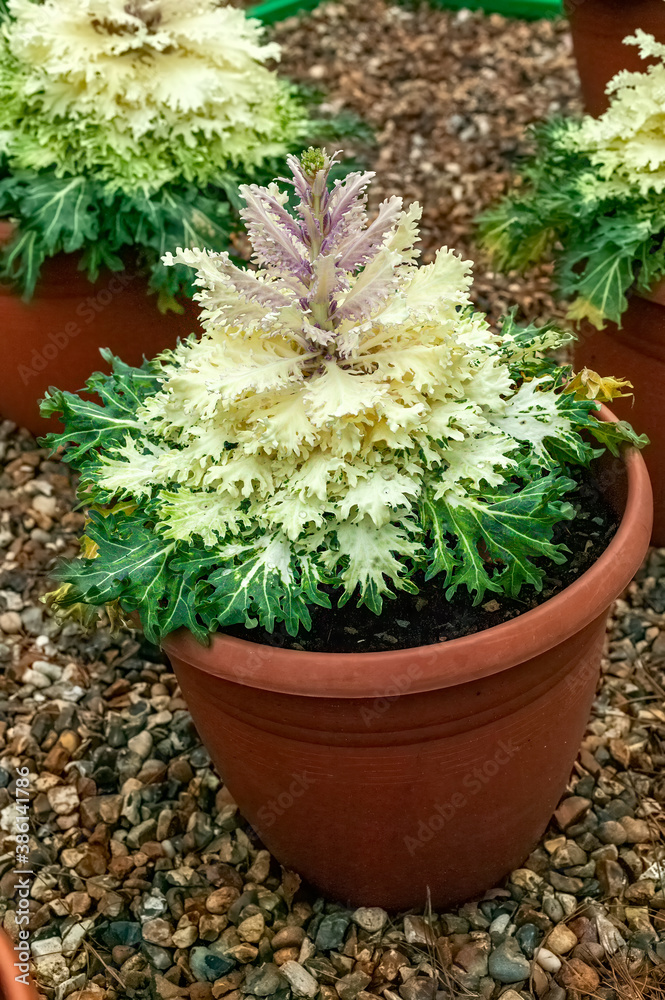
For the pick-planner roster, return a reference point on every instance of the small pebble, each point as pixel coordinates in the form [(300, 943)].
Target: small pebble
[(299, 979), (561, 940), (548, 961)]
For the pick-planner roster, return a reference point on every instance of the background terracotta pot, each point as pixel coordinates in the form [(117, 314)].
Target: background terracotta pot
[(380, 776), (598, 28), (9, 988), (636, 352), (55, 338)]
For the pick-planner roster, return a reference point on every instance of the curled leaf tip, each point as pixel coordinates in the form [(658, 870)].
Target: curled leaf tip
[(65, 608), (588, 384)]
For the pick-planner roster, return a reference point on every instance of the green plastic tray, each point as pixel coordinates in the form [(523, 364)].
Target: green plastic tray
[(276, 10), (510, 8)]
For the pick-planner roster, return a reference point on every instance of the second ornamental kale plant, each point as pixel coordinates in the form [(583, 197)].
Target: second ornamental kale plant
[(126, 129), (345, 422)]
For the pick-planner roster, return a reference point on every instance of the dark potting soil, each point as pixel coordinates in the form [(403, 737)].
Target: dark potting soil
[(427, 617)]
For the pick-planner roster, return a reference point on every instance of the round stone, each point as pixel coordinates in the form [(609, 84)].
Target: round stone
[(370, 918), (206, 966), (561, 940), (251, 929), (288, 937), (507, 964), (546, 960), (612, 832), (528, 937)]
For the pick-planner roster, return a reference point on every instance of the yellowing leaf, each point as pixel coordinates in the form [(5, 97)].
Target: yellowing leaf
[(588, 384), (122, 507), (88, 548), (581, 310), (117, 618), (65, 608)]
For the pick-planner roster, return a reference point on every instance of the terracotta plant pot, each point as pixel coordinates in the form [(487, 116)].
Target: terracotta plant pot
[(598, 28), (636, 352), (380, 776), (10, 989), (55, 338)]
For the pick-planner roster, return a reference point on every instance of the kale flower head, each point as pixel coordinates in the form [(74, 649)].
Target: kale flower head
[(344, 425)]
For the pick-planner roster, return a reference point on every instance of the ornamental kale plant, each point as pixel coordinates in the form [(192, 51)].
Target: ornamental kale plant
[(132, 125), (592, 198), (345, 422)]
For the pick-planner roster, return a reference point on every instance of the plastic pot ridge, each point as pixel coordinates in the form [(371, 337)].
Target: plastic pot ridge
[(382, 776)]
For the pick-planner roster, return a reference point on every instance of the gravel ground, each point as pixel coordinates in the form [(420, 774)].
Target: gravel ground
[(449, 95), (149, 884)]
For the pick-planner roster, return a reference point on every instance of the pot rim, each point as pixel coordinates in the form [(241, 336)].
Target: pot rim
[(470, 658)]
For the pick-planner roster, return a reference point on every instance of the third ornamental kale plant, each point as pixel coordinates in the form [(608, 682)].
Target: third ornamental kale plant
[(591, 198), (345, 425)]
